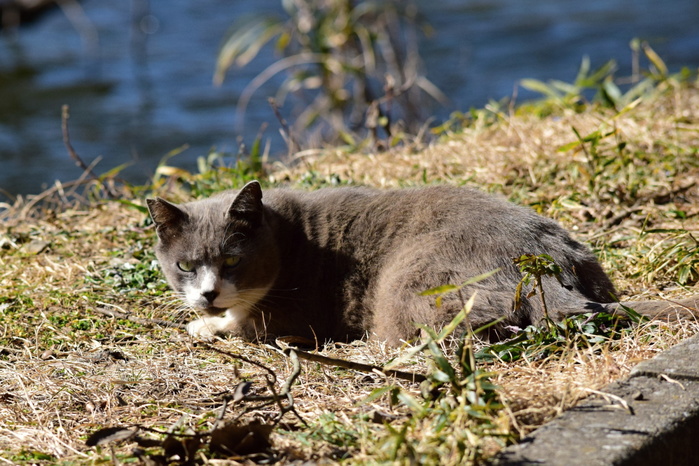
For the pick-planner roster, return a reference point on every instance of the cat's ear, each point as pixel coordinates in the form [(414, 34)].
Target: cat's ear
[(166, 216), (247, 205)]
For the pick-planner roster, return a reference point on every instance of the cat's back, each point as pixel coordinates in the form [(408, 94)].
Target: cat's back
[(382, 217), (354, 201)]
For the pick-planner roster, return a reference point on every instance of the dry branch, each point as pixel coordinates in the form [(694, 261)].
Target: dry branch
[(65, 115), (409, 376)]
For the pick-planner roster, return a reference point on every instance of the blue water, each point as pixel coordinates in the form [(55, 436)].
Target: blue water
[(138, 91)]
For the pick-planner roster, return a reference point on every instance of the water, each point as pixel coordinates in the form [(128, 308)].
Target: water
[(138, 91)]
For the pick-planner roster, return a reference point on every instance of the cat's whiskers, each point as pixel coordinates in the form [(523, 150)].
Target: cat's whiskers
[(164, 303), (176, 307)]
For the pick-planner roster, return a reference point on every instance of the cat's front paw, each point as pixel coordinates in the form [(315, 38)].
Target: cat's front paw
[(208, 327), (201, 328)]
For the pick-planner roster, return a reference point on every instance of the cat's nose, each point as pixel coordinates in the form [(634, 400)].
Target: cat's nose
[(210, 295)]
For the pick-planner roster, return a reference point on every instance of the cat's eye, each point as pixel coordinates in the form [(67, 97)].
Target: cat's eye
[(231, 261), (185, 266)]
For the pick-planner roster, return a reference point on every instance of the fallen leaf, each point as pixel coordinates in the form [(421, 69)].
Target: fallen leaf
[(241, 390), (109, 435), (36, 246)]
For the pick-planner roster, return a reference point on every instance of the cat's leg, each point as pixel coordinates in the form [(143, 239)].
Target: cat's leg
[(433, 261), (401, 309)]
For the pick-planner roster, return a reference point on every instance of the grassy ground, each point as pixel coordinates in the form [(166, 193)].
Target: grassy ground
[(75, 265)]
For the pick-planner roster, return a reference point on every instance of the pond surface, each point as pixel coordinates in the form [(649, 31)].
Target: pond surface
[(140, 89)]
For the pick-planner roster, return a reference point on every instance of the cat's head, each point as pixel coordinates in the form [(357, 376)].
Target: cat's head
[(219, 252)]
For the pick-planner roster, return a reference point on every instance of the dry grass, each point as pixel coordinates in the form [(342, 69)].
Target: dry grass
[(536, 392), (67, 370)]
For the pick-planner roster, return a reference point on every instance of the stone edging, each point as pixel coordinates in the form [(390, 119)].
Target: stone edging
[(651, 418)]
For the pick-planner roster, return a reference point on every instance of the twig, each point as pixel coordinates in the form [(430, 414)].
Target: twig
[(611, 399), (661, 198), (668, 379), (271, 379), (242, 358), (617, 219), (294, 374), (664, 198), (65, 115), (291, 142), (286, 389), (50, 192), (409, 376)]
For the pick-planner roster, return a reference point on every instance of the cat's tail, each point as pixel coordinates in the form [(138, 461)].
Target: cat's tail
[(665, 309)]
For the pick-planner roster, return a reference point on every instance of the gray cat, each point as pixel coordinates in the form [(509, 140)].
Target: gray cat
[(345, 263)]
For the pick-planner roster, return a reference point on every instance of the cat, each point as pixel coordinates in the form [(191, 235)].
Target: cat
[(340, 264)]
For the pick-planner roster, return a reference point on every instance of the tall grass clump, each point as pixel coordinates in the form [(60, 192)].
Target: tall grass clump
[(351, 69), (458, 417)]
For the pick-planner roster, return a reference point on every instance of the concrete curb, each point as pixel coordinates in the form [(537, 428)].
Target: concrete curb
[(651, 418)]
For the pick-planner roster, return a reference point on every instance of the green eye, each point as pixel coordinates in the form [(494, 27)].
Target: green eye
[(185, 266), (231, 261)]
